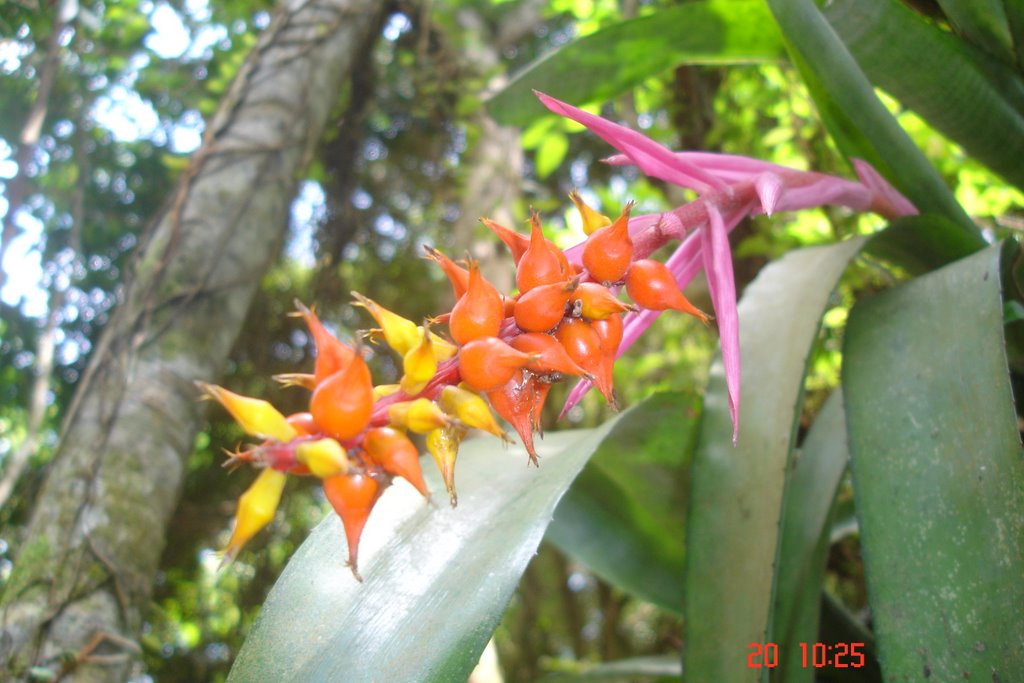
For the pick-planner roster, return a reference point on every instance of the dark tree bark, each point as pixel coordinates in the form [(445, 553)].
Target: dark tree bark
[(81, 581)]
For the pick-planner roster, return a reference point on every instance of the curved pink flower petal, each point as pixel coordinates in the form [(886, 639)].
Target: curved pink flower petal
[(718, 266), (648, 155)]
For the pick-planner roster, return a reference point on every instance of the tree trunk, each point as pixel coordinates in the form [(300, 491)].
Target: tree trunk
[(77, 595)]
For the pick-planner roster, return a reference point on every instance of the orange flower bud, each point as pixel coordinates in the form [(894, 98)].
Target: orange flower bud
[(543, 263), (471, 409), (352, 496), (420, 416), (419, 365), (651, 285), (486, 364), (443, 445), (396, 455), (480, 311), (583, 345), (256, 510), (331, 354), (543, 307), (324, 457), (517, 243), (520, 401), (399, 333), (596, 302), (341, 404), (551, 355), (609, 251), (457, 275), (592, 220), (254, 415)]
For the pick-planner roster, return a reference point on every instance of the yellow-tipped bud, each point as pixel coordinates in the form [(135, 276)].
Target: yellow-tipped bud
[(382, 390), (400, 334), (421, 416), (592, 220), (419, 365), (256, 416), (443, 349), (256, 510), (471, 409), (296, 379), (324, 457), (443, 445)]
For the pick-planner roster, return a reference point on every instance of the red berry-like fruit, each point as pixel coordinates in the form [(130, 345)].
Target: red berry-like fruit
[(543, 307), (583, 345), (486, 364), (342, 403), (396, 455), (352, 496), (650, 284), (608, 252), (479, 312), (542, 263)]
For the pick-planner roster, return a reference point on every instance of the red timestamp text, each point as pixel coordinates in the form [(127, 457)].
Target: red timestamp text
[(817, 655)]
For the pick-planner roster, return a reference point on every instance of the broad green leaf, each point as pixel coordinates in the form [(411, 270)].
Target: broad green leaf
[(624, 515), (736, 498), (437, 579), (983, 22), (961, 91), (938, 474), (655, 669), (920, 244), (859, 122), (810, 491), (837, 625), (551, 152), (604, 64)]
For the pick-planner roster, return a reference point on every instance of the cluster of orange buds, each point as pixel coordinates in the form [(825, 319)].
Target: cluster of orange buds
[(504, 353)]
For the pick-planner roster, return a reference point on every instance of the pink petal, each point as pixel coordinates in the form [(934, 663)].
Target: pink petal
[(650, 157), (769, 188), (718, 266), (888, 201)]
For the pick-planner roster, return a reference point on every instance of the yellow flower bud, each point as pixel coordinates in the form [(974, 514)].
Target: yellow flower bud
[(256, 416), (400, 334), (419, 365), (420, 416), (471, 409), (443, 349), (592, 220), (382, 390), (296, 379), (256, 510), (443, 445), (324, 457)]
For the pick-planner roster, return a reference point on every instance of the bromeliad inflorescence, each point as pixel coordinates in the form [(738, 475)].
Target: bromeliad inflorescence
[(565, 321), (504, 352)]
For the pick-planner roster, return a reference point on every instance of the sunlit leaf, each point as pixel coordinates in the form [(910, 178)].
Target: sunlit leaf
[(604, 64)]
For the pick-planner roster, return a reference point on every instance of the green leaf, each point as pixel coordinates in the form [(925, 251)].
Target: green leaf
[(983, 22), (551, 152), (859, 122), (923, 243), (938, 474), (961, 91), (624, 515), (736, 499), (806, 525), (605, 63), (655, 668), (437, 579)]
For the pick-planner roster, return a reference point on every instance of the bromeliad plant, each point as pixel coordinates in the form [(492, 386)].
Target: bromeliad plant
[(504, 352)]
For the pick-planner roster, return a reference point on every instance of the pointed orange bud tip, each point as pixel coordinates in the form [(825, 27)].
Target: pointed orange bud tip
[(607, 253), (256, 416), (592, 220), (457, 275)]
